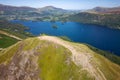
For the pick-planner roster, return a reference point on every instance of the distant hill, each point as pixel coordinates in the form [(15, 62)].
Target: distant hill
[(109, 17), (105, 10), (28, 13), (53, 10), (14, 8), (25, 8), (50, 8)]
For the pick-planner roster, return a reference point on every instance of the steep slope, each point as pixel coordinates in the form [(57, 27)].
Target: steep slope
[(51, 58)]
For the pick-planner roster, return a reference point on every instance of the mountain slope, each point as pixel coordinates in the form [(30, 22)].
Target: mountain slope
[(51, 58), (51, 10), (109, 17), (105, 10), (109, 20), (14, 8)]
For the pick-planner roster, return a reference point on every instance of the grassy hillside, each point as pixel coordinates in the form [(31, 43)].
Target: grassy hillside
[(6, 41), (108, 55), (15, 29), (10, 33), (109, 20), (52, 58)]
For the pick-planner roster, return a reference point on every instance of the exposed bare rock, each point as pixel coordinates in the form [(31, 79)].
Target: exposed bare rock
[(23, 66)]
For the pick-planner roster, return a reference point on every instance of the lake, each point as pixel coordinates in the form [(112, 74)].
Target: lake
[(98, 36)]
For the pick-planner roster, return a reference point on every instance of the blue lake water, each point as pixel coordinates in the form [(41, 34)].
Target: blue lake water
[(98, 36)]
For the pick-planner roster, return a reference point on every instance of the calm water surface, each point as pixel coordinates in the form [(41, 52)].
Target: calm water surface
[(97, 36)]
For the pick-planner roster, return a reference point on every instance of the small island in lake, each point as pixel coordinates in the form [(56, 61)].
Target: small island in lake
[(54, 26)]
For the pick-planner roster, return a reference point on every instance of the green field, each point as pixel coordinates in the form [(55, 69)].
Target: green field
[(6, 41)]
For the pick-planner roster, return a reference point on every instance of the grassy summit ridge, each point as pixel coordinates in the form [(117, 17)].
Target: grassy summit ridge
[(47, 58)]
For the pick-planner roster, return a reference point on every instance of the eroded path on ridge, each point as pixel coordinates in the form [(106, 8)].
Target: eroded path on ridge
[(79, 58), (10, 35)]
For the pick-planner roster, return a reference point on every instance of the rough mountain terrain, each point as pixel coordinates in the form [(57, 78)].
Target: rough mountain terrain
[(51, 58)]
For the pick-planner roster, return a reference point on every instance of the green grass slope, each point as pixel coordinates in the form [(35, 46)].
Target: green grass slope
[(38, 59), (6, 41)]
